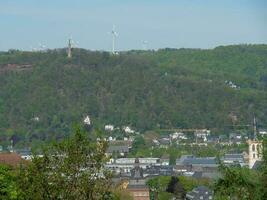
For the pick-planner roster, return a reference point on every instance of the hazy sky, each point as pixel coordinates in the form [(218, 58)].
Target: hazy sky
[(163, 23)]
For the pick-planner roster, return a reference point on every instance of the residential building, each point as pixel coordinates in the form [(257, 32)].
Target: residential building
[(137, 185), (234, 159), (263, 132), (125, 165), (200, 193), (11, 159), (118, 150), (109, 127), (127, 129), (24, 153), (202, 135), (154, 170), (87, 120), (189, 163), (164, 142)]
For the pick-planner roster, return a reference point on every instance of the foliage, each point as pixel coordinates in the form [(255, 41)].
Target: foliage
[(162, 186), (158, 185), (176, 188), (165, 196), (144, 89), (70, 169), (243, 183), (263, 179), (138, 143), (119, 194), (190, 183), (8, 184), (237, 183)]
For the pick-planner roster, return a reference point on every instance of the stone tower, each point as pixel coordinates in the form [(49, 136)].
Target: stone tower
[(69, 48), (254, 152)]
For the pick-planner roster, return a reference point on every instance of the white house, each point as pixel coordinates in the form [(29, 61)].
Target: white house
[(127, 129), (263, 132), (109, 127), (203, 134), (87, 120)]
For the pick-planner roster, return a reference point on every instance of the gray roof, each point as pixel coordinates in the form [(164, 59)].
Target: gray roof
[(24, 152), (200, 161), (234, 159), (200, 193), (120, 149), (197, 175), (191, 160), (234, 156), (164, 141)]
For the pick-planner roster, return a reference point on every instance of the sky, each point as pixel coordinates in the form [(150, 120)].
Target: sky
[(25, 24)]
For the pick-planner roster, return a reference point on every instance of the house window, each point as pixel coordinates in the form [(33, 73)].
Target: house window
[(253, 147), (254, 155)]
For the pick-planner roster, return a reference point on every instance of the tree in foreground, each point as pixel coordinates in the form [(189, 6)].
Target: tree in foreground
[(71, 169), (264, 171), (237, 183), (166, 187), (176, 188), (243, 183), (158, 185), (8, 186)]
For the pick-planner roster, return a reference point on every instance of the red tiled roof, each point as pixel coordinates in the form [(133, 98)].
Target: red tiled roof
[(11, 159)]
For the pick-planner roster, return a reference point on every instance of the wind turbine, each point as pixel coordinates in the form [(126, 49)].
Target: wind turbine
[(114, 35), (42, 47), (145, 45)]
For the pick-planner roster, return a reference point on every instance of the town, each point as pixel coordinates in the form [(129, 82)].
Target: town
[(133, 163), (133, 100)]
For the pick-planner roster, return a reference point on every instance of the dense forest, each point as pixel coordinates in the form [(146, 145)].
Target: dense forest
[(43, 93)]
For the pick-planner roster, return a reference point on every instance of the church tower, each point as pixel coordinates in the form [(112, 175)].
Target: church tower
[(254, 152), (254, 148)]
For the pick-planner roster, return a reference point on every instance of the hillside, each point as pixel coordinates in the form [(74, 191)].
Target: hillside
[(43, 93)]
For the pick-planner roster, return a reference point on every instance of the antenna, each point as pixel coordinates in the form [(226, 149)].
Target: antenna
[(69, 47), (114, 35), (254, 128)]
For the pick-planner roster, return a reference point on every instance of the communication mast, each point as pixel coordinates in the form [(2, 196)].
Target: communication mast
[(69, 48)]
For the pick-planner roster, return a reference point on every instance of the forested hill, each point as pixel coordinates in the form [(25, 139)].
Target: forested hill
[(43, 93)]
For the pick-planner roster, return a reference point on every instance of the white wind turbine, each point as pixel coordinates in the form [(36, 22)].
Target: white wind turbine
[(114, 35), (42, 47), (145, 43)]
